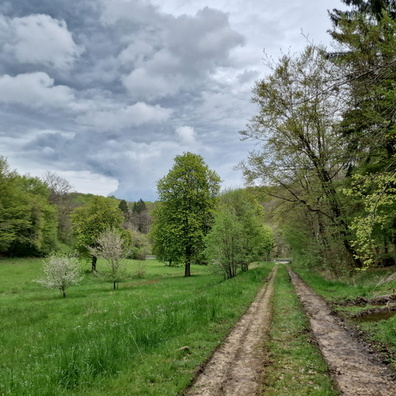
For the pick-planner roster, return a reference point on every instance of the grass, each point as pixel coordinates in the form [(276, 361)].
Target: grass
[(296, 366), (368, 284), (99, 342)]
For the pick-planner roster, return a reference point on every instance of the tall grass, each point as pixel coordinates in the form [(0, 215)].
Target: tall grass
[(99, 341)]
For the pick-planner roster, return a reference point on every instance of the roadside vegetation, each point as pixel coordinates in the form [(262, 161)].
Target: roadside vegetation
[(146, 338)]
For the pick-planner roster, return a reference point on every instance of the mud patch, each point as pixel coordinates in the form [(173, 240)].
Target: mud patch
[(354, 369), (362, 301), (374, 314)]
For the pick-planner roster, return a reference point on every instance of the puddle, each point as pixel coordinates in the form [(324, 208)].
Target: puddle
[(375, 316)]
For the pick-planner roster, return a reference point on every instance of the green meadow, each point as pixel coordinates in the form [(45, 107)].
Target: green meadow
[(146, 338)]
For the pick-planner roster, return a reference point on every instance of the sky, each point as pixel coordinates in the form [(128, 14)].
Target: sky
[(105, 93)]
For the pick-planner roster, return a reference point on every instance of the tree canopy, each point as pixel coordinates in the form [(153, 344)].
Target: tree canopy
[(187, 196)]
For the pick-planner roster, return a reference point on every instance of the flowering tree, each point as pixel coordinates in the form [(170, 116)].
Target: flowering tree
[(110, 245), (60, 272)]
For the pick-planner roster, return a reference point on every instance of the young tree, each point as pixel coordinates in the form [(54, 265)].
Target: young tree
[(224, 244), (91, 220), (60, 272), (188, 197), (238, 236), (112, 246)]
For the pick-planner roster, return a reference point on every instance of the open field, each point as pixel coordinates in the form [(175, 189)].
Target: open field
[(99, 341)]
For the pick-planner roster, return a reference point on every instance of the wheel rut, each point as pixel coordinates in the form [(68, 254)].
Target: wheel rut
[(355, 371), (236, 367)]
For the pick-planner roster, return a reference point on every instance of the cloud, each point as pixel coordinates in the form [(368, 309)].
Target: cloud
[(125, 117), (40, 40), (187, 50), (186, 135), (34, 89)]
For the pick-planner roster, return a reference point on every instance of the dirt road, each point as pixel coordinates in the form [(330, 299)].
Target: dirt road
[(236, 367), (355, 371)]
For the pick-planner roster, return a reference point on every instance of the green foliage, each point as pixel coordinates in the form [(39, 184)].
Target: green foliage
[(188, 197), (91, 220), (28, 221), (238, 236), (225, 243), (375, 224)]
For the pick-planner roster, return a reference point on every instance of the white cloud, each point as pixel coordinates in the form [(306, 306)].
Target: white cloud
[(39, 39), (121, 118), (88, 182), (187, 135), (34, 89)]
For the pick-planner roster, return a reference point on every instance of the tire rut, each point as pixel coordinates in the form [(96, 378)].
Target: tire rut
[(355, 372), (236, 367)]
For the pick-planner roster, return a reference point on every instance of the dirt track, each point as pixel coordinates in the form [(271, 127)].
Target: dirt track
[(236, 367), (354, 369)]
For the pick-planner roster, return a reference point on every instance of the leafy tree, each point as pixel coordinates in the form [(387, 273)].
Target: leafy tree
[(188, 197), (225, 243), (60, 272), (257, 239), (91, 220), (112, 247), (238, 236), (40, 237), (302, 151), (366, 37), (14, 213)]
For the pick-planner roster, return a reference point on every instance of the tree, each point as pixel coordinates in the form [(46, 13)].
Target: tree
[(225, 243), (140, 217), (302, 150), (112, 247), (62, 199), (188, 197), (238, 236), (14, 214), (90, 221), (366, 37), (60, 272)]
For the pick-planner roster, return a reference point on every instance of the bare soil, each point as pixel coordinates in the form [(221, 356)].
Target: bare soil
[(355, 369), (236, 367)]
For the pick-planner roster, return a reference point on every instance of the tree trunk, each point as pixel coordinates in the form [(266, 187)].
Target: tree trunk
[(94, 260), (187, 270)]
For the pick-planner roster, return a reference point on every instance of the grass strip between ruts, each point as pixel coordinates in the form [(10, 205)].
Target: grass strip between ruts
[(295, 365)]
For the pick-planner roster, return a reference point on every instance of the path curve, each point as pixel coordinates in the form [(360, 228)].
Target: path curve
[(355, 372), (236, 367)]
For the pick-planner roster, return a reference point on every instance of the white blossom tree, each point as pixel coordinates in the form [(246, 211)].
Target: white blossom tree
[(111, 246), (60, 272)]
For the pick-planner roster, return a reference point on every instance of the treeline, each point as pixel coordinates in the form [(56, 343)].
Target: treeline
[(327, 127), (39, 216)]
